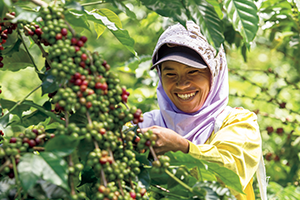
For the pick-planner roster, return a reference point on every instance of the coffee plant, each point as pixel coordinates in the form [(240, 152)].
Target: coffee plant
[(83, 142)]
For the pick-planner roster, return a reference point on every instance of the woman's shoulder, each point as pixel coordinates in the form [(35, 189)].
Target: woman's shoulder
[(240, 114)]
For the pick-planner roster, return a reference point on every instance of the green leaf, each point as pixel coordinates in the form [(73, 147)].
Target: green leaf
[(217, 7), (227, 176), (25, 15), (50, 83), (243, 14), (77, 19), (47, 165), (87, 176), (83, 150), (18, 60), (111, 16), (62, 145), (201, 12), (120, 5), (8, 104), (210, 24), (46, 190), (44, 111), (121, 34)]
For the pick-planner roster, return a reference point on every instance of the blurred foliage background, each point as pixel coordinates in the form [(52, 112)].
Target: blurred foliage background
[(263, 78)]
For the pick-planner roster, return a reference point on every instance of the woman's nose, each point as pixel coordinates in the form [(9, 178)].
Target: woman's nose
[(182, 82)]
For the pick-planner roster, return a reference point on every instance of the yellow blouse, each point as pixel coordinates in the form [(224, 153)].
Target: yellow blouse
[(236, 146)]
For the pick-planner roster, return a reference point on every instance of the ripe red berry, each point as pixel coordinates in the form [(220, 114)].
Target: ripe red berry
[(98, 85), (30, 32), (282, 105), (132, 194), (1, 48), (102, 131), (73, 41), (279, 130), (80, 43), (1, 58), (64, 32), (83, 39), (276, 158), (148, 143), (3, 42), (124, 98), (78, 82), (32, 143), (101, 188), (103, 160), (13, 140), (143, 191), (77, 75), (137, 139), (35, 131), (0, 91), (269, 129), (38, 31), (84, 57), (104, 86), (4, 36), (83, 88), (137, 113), (268, 156), (88, 104), (58, 36), (82, 64), (25, 140)]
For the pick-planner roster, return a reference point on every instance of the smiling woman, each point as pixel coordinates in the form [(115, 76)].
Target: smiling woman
[(194, 117)]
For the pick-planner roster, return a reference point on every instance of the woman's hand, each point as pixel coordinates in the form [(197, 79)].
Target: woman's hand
[(167, 140)]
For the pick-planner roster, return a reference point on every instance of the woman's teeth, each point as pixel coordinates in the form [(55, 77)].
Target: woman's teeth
[(186, 96)]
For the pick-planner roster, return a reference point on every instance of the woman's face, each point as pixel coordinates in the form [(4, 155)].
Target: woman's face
[(187, 87)]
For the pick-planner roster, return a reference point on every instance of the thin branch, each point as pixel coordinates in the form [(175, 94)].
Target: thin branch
[(93, 3), (26, 49), (20, 102), (153, 152), (39, 3), (73, 192), (16, 175), (7, 162), (179, 181)]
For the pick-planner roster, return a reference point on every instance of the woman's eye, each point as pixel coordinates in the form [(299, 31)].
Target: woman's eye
[(193, 71), (170, 74)]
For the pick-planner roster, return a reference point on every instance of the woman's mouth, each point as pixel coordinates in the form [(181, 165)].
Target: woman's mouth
[(186, 96)]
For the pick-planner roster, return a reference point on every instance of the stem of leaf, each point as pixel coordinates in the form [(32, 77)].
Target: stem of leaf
[(20, 102), (30, 56), (179, 181), (93, 3), (16, 175)]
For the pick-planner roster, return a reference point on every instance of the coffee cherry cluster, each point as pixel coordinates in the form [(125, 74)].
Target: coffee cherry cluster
[(147, 139), (161, 164), (6, 28), (24, 142)]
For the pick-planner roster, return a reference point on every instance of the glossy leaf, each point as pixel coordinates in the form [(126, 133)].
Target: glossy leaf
[(199, 11), (121, 34), (77, 19), (62, 145), (25, 15), (227, 176), (243, 14), (46, 165), (99, 28), (121, 6), (8, 104), (50, 83)]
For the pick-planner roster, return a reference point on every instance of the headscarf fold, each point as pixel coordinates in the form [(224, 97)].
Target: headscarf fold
[(196, 127)]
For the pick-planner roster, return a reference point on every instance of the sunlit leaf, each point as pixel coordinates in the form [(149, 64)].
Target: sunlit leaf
[(62, 145), (47, 165), (243, 14)]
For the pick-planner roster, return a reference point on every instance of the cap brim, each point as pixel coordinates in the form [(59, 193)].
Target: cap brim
[(183, 59)]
